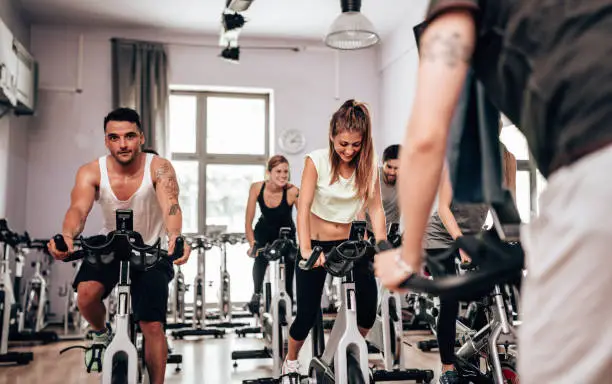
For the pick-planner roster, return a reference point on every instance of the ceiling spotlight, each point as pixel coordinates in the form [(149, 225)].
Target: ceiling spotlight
[(351, 30), (232, 21), (238, 5), (231, 54)]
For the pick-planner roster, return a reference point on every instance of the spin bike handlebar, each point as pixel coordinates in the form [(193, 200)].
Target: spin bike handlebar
[(38, 244), (121, 245), (200, 242), (394, 236), (232, 238), (12, 238), (341, 259), (497, 263), (280, 247)]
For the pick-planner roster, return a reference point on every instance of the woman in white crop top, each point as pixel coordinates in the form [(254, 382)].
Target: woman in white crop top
[(338, 184)]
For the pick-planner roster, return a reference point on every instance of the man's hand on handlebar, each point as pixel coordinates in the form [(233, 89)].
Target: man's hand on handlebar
[(390, 270), (186, 250), (57, 254)]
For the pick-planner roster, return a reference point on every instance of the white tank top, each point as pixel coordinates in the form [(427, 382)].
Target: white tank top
[(148, 216), (337, 202)]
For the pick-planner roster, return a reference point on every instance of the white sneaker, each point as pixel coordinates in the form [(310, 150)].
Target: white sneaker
[(290, 368), (94, 355)]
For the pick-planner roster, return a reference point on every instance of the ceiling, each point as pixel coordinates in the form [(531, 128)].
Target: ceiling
[(307, 19)]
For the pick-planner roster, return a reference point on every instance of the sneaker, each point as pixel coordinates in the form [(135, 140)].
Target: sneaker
[(290, 371), (449, 377), (95, 353), (254, 303)]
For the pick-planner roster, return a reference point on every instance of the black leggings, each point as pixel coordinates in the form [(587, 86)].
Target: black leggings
[(449, 308), (259, 273), (309, 285)]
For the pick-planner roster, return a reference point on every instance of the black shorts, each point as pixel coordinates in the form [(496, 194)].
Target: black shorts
[(149, 289)]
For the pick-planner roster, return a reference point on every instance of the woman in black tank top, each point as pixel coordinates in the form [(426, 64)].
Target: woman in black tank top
[(276, 198)]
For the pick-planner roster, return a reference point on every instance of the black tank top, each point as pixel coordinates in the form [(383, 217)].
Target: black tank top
[(272, 219)]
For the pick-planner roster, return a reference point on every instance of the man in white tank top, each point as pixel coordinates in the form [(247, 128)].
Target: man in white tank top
[(146, 184)]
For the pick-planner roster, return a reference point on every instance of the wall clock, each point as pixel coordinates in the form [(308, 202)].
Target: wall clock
[(292, 141)]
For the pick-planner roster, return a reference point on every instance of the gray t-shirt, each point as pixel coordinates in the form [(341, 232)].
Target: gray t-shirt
[(388, 194), (469, 217)]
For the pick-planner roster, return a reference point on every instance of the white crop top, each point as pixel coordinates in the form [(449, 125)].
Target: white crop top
[(337, 202)]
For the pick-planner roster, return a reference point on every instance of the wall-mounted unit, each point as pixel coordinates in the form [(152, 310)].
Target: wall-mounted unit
[(27, 80), (8, 68), (18, 75)]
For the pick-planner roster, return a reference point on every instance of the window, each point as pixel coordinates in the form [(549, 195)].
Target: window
[(215, 170), (529, 182)]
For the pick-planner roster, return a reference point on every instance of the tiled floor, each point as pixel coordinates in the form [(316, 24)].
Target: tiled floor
[(205, 360)]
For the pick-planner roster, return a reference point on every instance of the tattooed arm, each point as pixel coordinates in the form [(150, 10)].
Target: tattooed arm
[(446, 49), (167, 190)]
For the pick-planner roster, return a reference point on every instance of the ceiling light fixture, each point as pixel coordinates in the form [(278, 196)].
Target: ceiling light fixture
[(231, 54), (232, 21), (238, 5), (351, 30)]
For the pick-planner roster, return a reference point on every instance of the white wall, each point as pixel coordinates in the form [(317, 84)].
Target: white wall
[(15, 20), (13, 135), (304, 85), (68, 128), (398, 63)]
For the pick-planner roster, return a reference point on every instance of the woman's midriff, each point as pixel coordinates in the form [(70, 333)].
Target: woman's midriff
[(324, 230)]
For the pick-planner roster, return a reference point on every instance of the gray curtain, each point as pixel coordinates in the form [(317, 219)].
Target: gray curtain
[(140, 81)]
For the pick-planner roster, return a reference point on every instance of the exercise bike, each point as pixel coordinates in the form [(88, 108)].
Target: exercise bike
[(75, 326), (226, 310), (36, 304), (345, 357), (198, 325), (8, 301), (121, 363), (276, 314), (29, 316), (386, 334), (177, 301), (496, 276)]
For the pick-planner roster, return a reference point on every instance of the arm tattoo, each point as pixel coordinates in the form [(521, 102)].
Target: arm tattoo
[(446, 47), (167, 179), (174, 209)]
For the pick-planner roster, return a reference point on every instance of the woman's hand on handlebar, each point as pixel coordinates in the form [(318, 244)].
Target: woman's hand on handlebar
[(306, 253), (186, 250), (56, 253), (320, 261), (252, 252), (464, 257)]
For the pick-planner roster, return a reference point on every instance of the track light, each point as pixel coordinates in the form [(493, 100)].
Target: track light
[(238, 5), (231, 54), (351, 30), (232, 21)]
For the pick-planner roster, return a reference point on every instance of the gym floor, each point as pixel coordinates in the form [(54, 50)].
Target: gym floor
[(205, 360)]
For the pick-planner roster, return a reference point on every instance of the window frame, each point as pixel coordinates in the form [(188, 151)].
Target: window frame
[(201, 154), (528, 165)]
